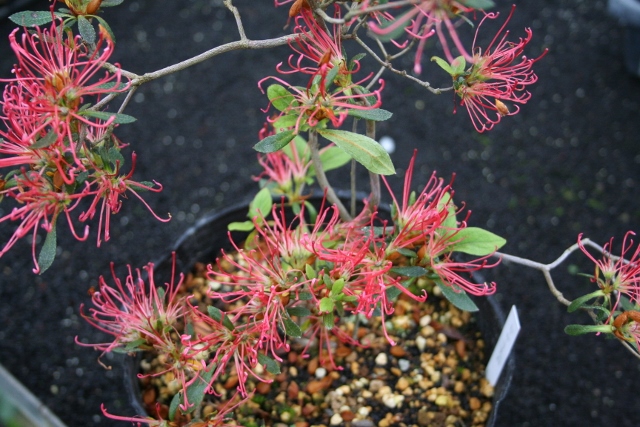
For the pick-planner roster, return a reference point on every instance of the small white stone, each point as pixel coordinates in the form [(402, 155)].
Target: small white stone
[(421, 342), (363, 411), (321, 373), (336, 419), (382, 359), (392, 400), (425, 320), (404, 365)]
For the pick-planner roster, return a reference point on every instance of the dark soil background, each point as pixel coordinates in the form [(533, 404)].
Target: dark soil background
[(567, 163)]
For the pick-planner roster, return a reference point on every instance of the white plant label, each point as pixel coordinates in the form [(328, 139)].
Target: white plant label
[(503, 347)]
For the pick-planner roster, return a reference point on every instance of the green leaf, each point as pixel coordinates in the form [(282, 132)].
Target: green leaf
[(331, 76), (392, 292), (407, 252), (220, 317), (587, 329), (328, 320), (337, 287), (579, 302), (86, 30), (106, 26), (291, 328), (279, 96), (48, 250), (260, 206), (275, 142), (110, 3), (443, 64), (173, 407), (395, 32), (285, 122), (240, 226), (477, 241), (46, 140), (459, 299), (479, 4), (410, 271), (363, 149), (377, 114), (334, 158), (355, 59), (305, 296), (310, 272), (270, 364), (445, 202), (458, 65), (31, 19), (298, 311), (195, 392), (103, 115), (326, 305)]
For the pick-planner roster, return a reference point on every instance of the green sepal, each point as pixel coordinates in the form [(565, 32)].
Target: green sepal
[(579, 302), (219, 316), (270, 365), (377, 114), (363, 149), (29, 18), (477, 241), (48, 250), (279, 96), (273, 143), (460, 299), (86, 30)]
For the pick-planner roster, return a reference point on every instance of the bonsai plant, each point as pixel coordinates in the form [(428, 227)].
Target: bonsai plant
[(76, 155)]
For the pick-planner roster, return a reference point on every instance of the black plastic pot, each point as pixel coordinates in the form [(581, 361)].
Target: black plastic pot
[(202, 243), (628, 13)]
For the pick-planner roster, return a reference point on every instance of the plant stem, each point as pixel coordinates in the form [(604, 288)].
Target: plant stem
[(322, 178), (374, 178)]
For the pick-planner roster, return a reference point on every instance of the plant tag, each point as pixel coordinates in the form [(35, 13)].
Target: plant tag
[(503, 347)]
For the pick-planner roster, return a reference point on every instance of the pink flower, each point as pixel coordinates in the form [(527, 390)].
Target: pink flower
[(621, 276), (137, 314), (428, 17), (316, 104), (286, 170), (40, 205), (494, 77)]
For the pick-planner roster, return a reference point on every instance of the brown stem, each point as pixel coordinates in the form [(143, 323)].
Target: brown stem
[(322, 178)]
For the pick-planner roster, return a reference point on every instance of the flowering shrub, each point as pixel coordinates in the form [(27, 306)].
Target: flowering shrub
[(301, 277)]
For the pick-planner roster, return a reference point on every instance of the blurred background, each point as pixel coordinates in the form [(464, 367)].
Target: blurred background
[(566, 164)]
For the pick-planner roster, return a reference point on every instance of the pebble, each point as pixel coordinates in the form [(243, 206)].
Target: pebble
[(336, 419), (382, 359), (392, 400), (320, 373), (404, 365), (421, 342), (402, 383)]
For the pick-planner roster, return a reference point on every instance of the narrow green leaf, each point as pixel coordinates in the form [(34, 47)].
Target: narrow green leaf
[(86, 30), (326, 305), (443, 64), (310, 272), (279, 96), (477, 241), (363, 149), (240, 226), (337, 287), (479, 4), (134, 345), (392, 293), (459, 299), (445, 202), (106, 26), (333, 158), (103, 115), (271, 365), (587, 329), (305, 296), (275, 142), (579, 302), (331, 76), (284, 122), (458, 65), (29, 18), (298, 311), (410, 271), (378, 114), (47, 140), (48, 250), (291, 328)]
